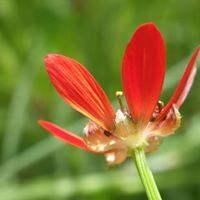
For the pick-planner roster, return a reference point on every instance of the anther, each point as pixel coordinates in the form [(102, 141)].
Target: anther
[(108, 134), (119, 94), (160, 105)]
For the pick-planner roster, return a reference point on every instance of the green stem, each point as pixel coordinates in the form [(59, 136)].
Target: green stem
[(145, 174)]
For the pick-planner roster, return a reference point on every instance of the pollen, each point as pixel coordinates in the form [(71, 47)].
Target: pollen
[(119, 93)]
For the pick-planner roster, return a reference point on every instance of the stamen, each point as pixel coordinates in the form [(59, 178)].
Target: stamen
[(119, 94)]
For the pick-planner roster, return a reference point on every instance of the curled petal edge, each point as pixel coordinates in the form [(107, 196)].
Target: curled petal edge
[(183, 87)]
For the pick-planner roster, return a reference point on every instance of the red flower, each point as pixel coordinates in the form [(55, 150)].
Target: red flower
[(145, 121)]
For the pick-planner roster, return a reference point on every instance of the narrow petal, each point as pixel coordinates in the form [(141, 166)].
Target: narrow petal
[(187, 88), (62, 134), (143, 72), (184, 85), (79, 89)]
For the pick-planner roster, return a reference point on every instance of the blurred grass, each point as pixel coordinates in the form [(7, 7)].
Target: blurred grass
[(95, 33), (18, 113)]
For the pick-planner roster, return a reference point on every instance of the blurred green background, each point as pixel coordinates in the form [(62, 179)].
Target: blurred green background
[(36, 166)]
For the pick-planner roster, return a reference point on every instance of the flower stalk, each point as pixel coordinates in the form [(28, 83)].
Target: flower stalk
[(145, 174)]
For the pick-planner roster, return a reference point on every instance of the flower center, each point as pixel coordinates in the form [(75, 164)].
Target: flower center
[(127, 130), (127, 135)]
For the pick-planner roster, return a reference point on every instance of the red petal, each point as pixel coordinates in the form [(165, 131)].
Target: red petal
[(62, 134), (184, 86), (143, 71), (187, 88), (79, 89)]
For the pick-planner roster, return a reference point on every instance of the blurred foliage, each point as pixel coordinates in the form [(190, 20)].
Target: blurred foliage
[(34, 165)]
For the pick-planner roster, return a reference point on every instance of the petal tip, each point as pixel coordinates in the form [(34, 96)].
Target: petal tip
[(51, 58), (149, 25), (48, 56), (40, 121), (43, 123), (198, 49)]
